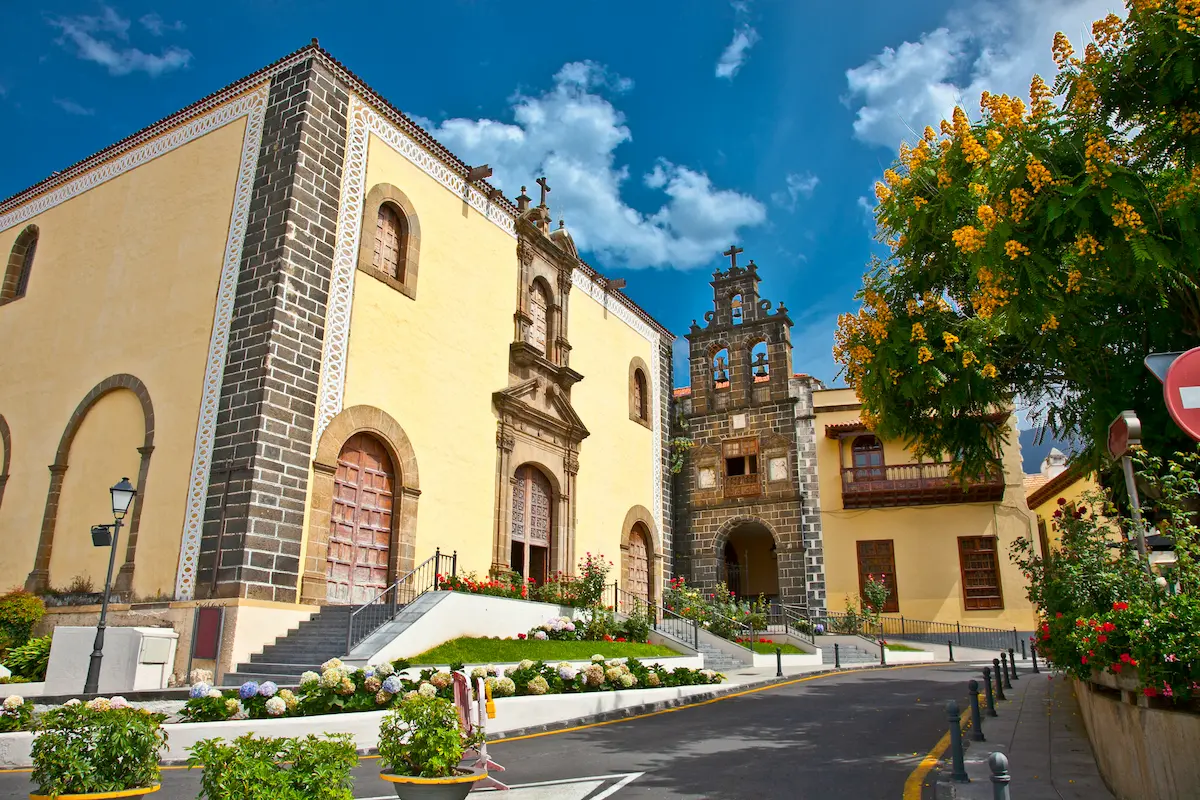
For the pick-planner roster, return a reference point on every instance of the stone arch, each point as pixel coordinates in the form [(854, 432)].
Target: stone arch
[(640, 415), (640, 514), (722, 535), (353, 420), (739, 577), (5, 455), (16, 274), (39, 577), (382, 194)]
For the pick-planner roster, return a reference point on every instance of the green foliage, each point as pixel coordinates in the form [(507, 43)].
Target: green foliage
[(490, 651), (421, 737), (16, 714), (720, 611), (637, 623), (247, 768), (20, 612), (30, 659), (593, 578), (218, 708), (82, 748), (680, 445), (1040, 255)]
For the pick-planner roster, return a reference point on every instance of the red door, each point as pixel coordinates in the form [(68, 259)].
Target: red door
[(360, 534)]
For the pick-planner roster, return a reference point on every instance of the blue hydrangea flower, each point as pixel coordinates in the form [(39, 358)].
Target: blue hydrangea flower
[(248, 690), (368, 672), (392, 685), (199, 690), (268, 689)]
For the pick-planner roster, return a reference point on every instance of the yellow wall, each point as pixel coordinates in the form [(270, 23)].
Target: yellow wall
[(1073, 493), (925, 538), (125, 280), (615, 461)]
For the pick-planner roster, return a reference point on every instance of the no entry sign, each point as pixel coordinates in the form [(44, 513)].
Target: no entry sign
[(1181, 390)]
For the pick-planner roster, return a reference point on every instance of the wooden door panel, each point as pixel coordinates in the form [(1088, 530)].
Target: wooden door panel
[(878, 559), (361, 527)]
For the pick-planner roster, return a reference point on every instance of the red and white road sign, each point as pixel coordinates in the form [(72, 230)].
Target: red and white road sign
[(1181, 390)]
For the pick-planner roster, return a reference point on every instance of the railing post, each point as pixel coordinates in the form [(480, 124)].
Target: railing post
[(437, 562), (999, 680), (959, 775), (998, 764), (454, 564), (778, 662), (976, 717), (882, 654), (901, 626), (1012, 664), (1004, 667), (696, 634), (837, 657), (1033, 653), (349, 632), (991, 700), (950, 644), (958, 627), (1016, 638)]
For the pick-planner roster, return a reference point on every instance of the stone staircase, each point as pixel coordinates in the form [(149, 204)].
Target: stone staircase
[(849, 651), (719, 660), (315, 641)]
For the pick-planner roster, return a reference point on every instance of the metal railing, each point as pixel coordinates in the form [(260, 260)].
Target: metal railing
[(668, 623), (383, 608), (790, 620), (919, 630)]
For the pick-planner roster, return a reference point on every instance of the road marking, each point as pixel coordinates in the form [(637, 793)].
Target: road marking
[(916, 780), (565, 789)]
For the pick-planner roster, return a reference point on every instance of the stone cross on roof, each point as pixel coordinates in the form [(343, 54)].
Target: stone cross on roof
[(545, 189), (732, 252)]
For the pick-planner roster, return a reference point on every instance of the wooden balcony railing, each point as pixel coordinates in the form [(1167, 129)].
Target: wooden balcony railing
[(914, 485), (743, 485)]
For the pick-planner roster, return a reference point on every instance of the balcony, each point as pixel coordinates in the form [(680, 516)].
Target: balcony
[(913, 485), (743, 485)]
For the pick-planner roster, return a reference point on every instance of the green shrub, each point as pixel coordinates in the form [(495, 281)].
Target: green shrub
[(15, 714), (311, 768), (637, 624), (96, 747), (30, 659), (20, 611), (421, 737)]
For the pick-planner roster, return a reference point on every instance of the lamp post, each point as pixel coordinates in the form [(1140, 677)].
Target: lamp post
[(122, 497)]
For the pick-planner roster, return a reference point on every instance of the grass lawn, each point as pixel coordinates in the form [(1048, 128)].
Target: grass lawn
[(769, 648), (497, 651), (903, 648)]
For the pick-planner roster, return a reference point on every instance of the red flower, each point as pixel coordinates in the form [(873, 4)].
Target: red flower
[(1101, 639), (1116, 667), (1062, 501), (620, 638), (1126, 658), (1058, 615), (1150, 691), (1084, 659), (1079, 623), (1108, 627), (607, 638), (1122, 606), (520, 636)]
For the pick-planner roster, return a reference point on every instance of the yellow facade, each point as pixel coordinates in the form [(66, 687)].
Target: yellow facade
[(925, 537), (124, 281), (1070, 487)]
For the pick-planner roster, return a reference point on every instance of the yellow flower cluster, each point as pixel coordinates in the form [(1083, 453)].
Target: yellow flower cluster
[(1099, 156), (1062, 50), (924, 354), (1086, 245), (930, 134), (1039, 97), (1008, 111), (969, 239), (1108, 31), (991, 295), (969, 359), (1125, 216), (914, 157), (1091, 54), (950, 339), (978, 189), (1051, 324), (882, 192), (989, 371), (1020, 203), (1014, 249), (973, 151), (1190, 120), (895, 179), (1074, 277), (1145, 6), (987, 215), (943, 178), (918, 331), (912, 307), (1188, 11), (1037, 173), (993, 139), (920, 202), (1084, 99)]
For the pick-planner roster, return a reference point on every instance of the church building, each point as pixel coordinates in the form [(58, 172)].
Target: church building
[(322, 348)]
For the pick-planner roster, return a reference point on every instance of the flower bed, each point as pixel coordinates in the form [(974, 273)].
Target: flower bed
[(767, 646), (581, 591)]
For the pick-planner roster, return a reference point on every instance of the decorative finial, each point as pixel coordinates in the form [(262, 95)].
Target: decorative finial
[(522, 201), (315, 43), (560, 224)]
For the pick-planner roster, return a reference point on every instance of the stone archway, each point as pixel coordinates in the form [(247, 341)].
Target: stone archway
[(645, 565), (406, 489), (39, 577), (749, 558)]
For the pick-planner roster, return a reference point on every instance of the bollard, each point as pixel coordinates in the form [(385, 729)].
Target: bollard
[(1012, 664), (837, 657), (976, 717), (778, 662), (959, 775), (882, 654), (991, 700), (999, 683), (998, 764), (1033, 653), (1023, 656), (1004, 670), (950, 644)]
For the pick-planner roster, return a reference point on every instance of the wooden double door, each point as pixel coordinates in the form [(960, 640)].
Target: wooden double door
[(360, 535)]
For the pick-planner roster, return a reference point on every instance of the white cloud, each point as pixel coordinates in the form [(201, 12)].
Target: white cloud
[(995, 45), (71, 107), (570, 133), (157, 26), (92, 39), (797, 186), (736, 51)]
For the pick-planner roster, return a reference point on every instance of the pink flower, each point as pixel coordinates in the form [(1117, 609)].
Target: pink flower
[(1167, 690), (1172, 658)]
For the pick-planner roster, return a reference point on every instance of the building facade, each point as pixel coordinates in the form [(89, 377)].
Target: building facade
[(260, 309)]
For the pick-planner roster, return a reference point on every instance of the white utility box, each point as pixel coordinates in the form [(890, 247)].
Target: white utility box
[(135, 659)]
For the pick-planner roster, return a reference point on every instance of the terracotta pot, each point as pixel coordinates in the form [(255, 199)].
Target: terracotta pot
[(102, 795), (455, 788)]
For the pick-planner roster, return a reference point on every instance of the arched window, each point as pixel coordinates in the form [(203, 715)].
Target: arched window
[(539, 307), (759, 368), (867, 452), (735, 309), (20, 265), (389, 242), (720, 369), (532, 523), (640, 401)]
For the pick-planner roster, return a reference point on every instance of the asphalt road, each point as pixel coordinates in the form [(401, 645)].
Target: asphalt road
[(855, 735)]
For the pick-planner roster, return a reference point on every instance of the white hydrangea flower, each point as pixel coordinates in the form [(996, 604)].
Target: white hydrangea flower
[(597, 659), (214, 693), (333, 663), (525, 664), (478, 672), (308, 676), (276, 706), (13, 702), (427, 690), (385, 669)]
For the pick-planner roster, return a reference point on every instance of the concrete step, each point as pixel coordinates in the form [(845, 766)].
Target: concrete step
[(280, 667)]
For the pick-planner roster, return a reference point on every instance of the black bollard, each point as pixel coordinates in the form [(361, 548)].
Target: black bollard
[(999, 680), (1023, 655), (1004, 670), (991, 700), (837, 657), (998, 764), (976, 717), (1033, 652), (959, 775), (950, 644), (1012, 664), (778, 662)]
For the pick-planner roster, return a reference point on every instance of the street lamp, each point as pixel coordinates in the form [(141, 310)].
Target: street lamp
[(122, 496)]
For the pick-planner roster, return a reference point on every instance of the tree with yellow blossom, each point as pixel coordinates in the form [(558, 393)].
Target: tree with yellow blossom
[(1041, 249)]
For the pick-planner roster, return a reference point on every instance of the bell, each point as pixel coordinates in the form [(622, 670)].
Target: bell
[(722, 376), (760, 370)]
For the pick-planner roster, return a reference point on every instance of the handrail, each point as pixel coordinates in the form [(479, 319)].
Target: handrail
[(685, 630), (794, 621), (382, 609), (733, 626), (921, 630)]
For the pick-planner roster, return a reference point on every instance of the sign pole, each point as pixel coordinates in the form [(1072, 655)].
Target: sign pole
[(1136, 507), (1125, 434)]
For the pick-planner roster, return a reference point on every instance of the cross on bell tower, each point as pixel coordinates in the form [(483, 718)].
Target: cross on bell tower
[(732, 253)]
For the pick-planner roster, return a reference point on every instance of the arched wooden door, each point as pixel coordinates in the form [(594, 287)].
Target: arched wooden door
[(639, 563), (360, 535), (532, 518)]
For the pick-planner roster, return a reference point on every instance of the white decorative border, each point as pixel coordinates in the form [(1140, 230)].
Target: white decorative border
[(253, 106)]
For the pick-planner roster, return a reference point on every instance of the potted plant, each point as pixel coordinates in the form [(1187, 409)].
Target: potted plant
[(100, 748), (249, 768), (421, 745)]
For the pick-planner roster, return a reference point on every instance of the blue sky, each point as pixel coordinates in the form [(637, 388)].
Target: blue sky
[(667, 128)]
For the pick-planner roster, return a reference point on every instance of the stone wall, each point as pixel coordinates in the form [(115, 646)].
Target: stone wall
[(801, 388)]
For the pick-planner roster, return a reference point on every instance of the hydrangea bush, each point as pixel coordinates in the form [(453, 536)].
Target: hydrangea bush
[(16, 713), (103, 745), (249, 768)]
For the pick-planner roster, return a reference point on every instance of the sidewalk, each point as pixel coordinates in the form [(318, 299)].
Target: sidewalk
[(1040, 731)]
